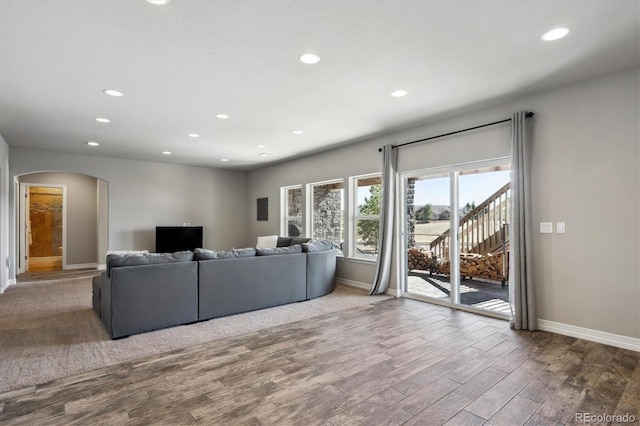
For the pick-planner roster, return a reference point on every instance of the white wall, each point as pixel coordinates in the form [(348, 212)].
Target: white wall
[(4, 214), (144, 194), (102, 189), (585, 173)]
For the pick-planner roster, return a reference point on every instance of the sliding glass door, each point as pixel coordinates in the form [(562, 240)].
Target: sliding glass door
[(429, 220), (484, 197), (457, 236)]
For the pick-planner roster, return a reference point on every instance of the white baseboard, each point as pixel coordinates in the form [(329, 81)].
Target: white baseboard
[(597, 336), (102, 267), (10, 282), (351, 283), (81, 266), (363, 286)]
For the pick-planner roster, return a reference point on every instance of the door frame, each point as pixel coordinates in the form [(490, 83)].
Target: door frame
[(23, 212), (402, 223)]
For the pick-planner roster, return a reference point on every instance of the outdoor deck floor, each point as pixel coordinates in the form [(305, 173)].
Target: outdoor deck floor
[(479, 294)]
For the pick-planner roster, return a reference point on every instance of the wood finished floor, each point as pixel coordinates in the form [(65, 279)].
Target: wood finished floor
[(45, 264), (395, 362), (55, 275)]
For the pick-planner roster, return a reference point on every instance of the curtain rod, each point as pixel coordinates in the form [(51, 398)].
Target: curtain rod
[(528, 115)]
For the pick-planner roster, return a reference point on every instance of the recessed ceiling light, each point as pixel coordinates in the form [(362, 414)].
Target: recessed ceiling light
[(298, 132), (158, 2), (166, 152), (112, 92), (224, 159), (194, 135), (399, 93), (261, 146), (103, 120), (309, 58), (92, 143), (555, 34), (222, 116)]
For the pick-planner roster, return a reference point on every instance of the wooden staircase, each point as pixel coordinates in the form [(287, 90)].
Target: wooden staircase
[(483, 230)]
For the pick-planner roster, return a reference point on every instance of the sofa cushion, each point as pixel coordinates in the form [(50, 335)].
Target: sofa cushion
[(116, 260), (278, 250), (204, 254), (317, 245)]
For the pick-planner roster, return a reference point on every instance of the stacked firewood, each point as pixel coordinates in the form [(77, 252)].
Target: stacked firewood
[(423, 260), (487, 266)]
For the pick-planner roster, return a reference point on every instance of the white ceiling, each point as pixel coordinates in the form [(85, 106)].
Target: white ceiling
[(180, 64)]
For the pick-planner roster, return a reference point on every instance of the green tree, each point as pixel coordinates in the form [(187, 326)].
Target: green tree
[(424, 213), (369, 230)]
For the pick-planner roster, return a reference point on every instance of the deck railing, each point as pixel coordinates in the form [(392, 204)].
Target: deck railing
[(482, 230)]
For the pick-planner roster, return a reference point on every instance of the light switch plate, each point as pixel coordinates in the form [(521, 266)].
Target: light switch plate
[(560, 227), (546, 227)]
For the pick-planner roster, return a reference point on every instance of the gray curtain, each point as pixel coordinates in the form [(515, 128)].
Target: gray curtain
[(385, 240), (521, 286)]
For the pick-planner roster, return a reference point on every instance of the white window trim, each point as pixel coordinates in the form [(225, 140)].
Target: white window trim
[(284, 209), (309, 209), (353, 218)]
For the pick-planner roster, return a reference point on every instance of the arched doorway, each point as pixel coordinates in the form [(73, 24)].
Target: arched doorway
[(63, 221)]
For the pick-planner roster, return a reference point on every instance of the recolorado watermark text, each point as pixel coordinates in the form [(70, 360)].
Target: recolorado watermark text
[(604, 418)]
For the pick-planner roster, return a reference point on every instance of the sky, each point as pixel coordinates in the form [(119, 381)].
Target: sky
[(473, 188)]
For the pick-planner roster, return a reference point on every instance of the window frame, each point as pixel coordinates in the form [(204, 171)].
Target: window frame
[(354, 216), (310, 216), (284, 209)]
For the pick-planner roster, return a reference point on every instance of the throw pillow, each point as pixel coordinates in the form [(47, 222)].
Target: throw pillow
[(269, 241), (299, 240), (129, 252), (204, 254), (284, 242), (278, 250)]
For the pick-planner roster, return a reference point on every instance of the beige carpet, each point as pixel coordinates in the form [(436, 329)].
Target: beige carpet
[(49, 330)]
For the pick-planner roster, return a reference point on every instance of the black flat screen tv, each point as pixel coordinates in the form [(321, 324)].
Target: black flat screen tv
[(170, 239)]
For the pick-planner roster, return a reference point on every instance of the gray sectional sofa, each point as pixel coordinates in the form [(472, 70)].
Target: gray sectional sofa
[(145, 292)]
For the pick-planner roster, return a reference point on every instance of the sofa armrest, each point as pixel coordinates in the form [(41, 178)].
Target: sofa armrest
[(105, 301), (149, 297), (321, 273)]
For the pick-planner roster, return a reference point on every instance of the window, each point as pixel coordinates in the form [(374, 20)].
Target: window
[(326, 208), (291, 225), (367, 192)]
